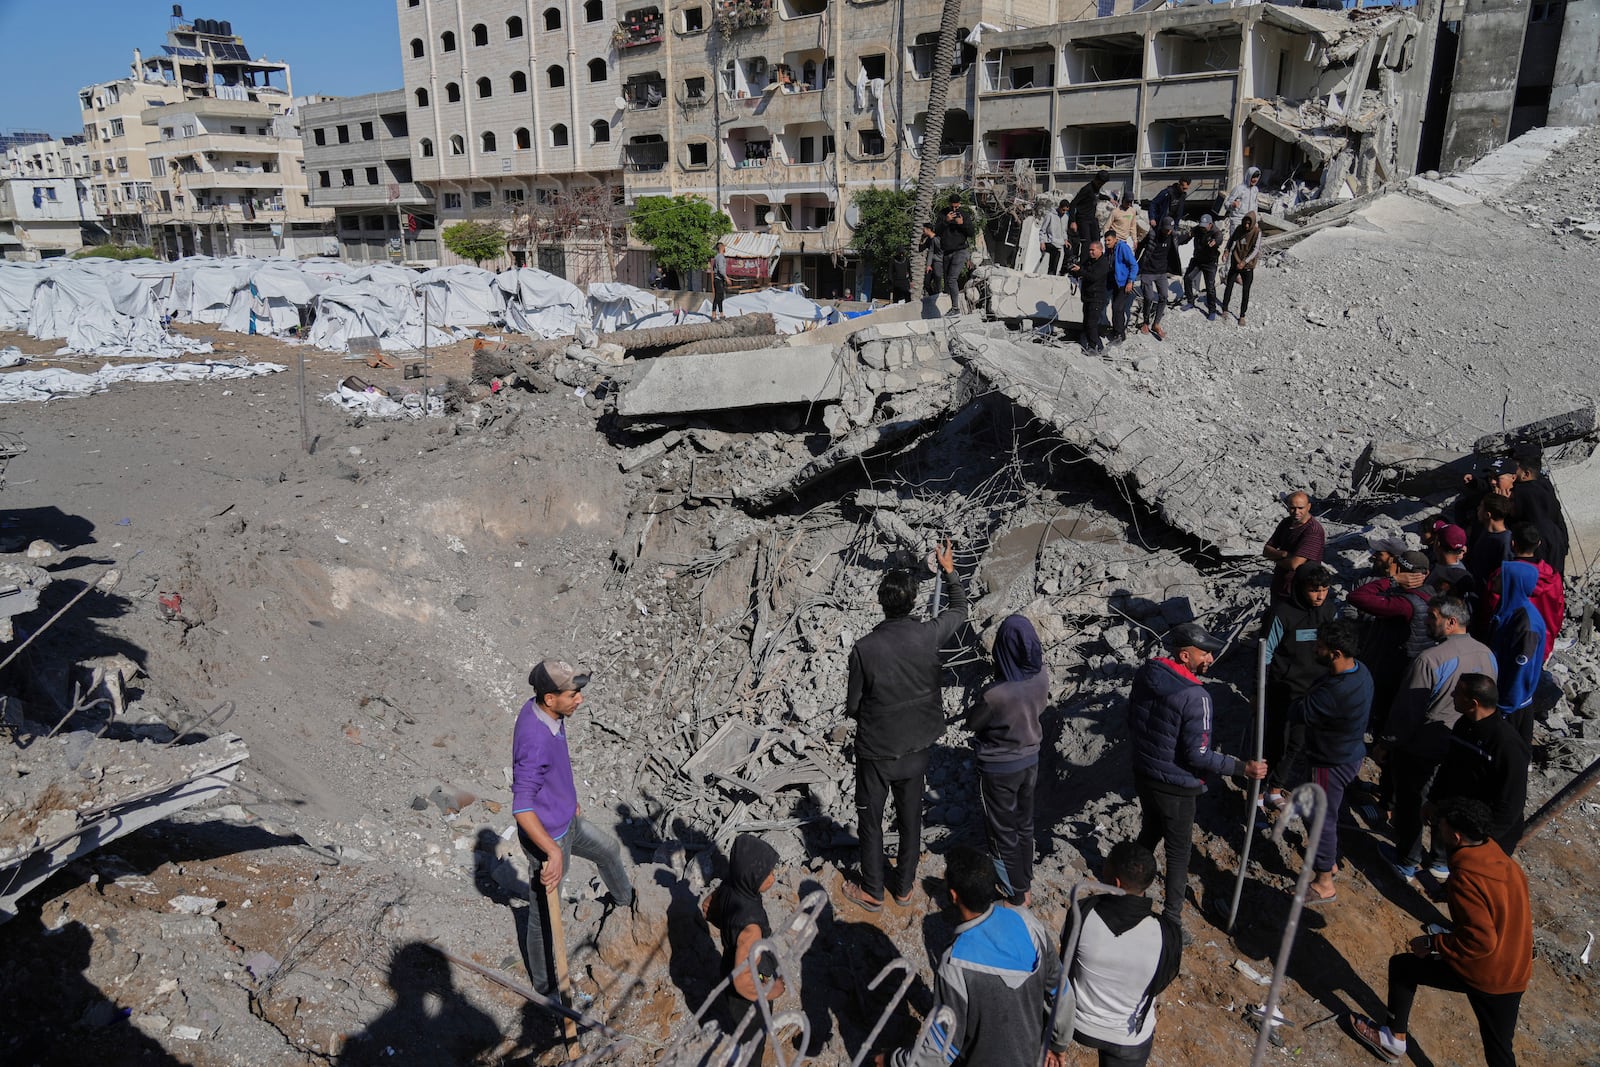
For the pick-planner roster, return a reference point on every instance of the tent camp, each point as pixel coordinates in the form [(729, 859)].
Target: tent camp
[(791, 311), (542, 304), (461, 296), (103, 308), (271, 299), (612, 305)]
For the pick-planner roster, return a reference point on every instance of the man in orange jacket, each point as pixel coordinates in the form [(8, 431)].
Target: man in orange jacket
[(1488, 952)]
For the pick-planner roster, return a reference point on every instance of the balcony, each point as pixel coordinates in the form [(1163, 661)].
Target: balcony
[(735, 15), (640, 28), (410, 195), (249, 144), (232, 179), (1188, 159), (645, 92), (645, 155)]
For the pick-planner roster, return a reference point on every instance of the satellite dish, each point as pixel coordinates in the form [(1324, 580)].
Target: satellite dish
[(620, 103), (852, 216)]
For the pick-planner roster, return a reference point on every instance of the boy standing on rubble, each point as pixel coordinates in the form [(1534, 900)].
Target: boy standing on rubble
[(544, 801)]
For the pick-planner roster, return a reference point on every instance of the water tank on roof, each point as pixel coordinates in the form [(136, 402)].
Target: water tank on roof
[(226, 28), (206, 26), (177, 11)]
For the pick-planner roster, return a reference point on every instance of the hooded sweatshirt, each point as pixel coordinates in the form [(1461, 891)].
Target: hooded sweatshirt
[(1490, 944), (1549, 598), (1126, 957), (736, 903), (1518, 637), (1290, 631), (894, 685), (1005, 721), (1335, 712), (1169, 722)]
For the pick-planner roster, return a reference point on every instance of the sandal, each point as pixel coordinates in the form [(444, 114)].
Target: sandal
[(1379, 1039), (857, 895), (1312, 899)]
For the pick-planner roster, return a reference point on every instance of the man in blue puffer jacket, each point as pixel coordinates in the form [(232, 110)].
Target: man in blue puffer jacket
[(1169, 723), (1517, 641)]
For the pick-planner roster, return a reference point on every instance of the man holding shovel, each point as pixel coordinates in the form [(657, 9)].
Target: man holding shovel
[(550, 823)]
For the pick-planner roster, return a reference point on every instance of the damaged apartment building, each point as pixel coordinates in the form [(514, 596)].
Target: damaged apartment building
[(1327, 103)]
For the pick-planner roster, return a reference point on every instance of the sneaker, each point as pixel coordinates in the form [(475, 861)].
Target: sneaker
[(1406, 871), (1439, 869), (1211, 316), (1379, 1039)]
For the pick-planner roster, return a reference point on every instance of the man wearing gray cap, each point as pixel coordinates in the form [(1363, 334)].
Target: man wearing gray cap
[(1169, 723), (544, 801)]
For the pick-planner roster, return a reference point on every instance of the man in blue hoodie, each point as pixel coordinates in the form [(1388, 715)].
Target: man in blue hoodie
[(1517, 641), (1124, 275), (1335, 714), (1169, 724)]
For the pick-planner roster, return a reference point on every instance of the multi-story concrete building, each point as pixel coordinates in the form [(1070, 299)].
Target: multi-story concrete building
[(779, 111), (199, 150), (119, 142), (1332, 100), (511, 105), (358, 163), (46, 208)]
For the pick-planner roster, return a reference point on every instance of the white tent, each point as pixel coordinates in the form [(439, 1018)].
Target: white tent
[(542, 304), (269, 301), (612, 305), (105, 309), (668, 317), (461, 296), (202, 290), (17, 282), (791, 311)]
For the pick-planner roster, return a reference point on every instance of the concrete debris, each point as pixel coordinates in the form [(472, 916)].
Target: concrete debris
[(732, 380)]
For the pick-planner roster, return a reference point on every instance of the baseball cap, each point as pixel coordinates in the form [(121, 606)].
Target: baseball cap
[(1451, 536), (556, 676), (1193, 635), (1454, 573), (1167, 225), (1206, 220), (1500, 465), (1413, 562), (1395, 546)]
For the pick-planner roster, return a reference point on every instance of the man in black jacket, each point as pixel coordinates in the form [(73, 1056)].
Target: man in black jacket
[(1158, 261), (894, 697), (1085, 225), (954, 230), (1203, 264), (900, 278), (1290, 631), (1169, 203), (1486, 760), (1169, 724), (1094, 280), (1534, 500)]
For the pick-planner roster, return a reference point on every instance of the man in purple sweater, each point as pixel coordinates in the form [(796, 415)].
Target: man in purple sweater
[(544, 801)]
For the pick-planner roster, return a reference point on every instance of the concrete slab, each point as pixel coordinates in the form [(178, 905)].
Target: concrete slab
[(726, 381), (1507, 165), (1578, 486), (1039, 297), (1446, 196)]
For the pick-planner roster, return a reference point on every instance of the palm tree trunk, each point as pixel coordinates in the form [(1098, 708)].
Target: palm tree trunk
[(944, 54)]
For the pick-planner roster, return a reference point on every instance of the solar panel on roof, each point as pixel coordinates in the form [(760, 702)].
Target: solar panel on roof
[(181, 52), (228, 50)]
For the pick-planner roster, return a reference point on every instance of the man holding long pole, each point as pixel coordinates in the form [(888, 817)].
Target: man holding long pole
[(550, 821)]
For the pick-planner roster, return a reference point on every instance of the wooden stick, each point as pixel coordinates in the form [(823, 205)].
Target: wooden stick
[(558, 940)]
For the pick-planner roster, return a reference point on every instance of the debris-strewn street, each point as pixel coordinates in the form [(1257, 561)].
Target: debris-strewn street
[(707, 537)]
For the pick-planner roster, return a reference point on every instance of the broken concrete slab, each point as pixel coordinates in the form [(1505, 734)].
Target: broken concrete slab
[(1500, 170), (1568, 426), (1411, 467), (1446, 196), (727, 381), (1037, 297)]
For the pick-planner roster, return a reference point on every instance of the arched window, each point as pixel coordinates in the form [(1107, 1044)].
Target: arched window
[(480, 35), (417, 50), (519, 82), (558, 135), (458, 147), (447, 41), (524, 139), (452, 93), (425, 146), (597, 70), (486, 141), (594, 11), (514, 26), (485, 88), (552, 18), (601, 131), (557, 75), (422, 98)]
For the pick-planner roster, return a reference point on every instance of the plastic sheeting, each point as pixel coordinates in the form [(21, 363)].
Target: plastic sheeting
[(461, 296), (103, 309), (375, 405), (791, 312), (542, 304), (613, 305), (53, 382)]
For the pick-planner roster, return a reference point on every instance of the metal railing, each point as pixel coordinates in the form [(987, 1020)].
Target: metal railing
[(1039, 165), (1098, 161), (1194, 157)]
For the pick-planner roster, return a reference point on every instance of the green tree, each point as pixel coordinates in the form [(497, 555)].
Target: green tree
[(476, 241), (116, 252), (682, 230), (885, 228)]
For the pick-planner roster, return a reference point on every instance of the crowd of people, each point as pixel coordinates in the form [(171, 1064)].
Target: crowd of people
[(1427, 673)]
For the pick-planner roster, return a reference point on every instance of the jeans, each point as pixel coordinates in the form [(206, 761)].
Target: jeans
[(1334, 781), (1285, 741), (1208, 272), (1008, 811), (954, 263), (1153, 292), (1053, 253), (1245, 277), (1496, 1012), (1168, 817), (1121, 300), (876, 780), (594, 845), (1413, 777), (1117, 1055), (1090, 338), (719, 293)]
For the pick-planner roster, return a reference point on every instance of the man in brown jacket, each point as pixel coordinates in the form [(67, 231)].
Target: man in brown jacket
[(1488, 952)]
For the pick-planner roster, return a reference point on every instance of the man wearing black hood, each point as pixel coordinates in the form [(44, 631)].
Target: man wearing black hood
[(1207, 238), (1534, 500), (1085, 224), (1169, 723), (1290, 632), (1158, 261), (1005, 736), (736, 910)]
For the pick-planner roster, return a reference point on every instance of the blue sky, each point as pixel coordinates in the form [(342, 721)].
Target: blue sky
[(56, 47)]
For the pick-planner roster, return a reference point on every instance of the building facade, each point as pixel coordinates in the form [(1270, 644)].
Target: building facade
[(358, 164), (119, 146), (510, 108), (1329, 101), (779, 111), (46, 206)]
